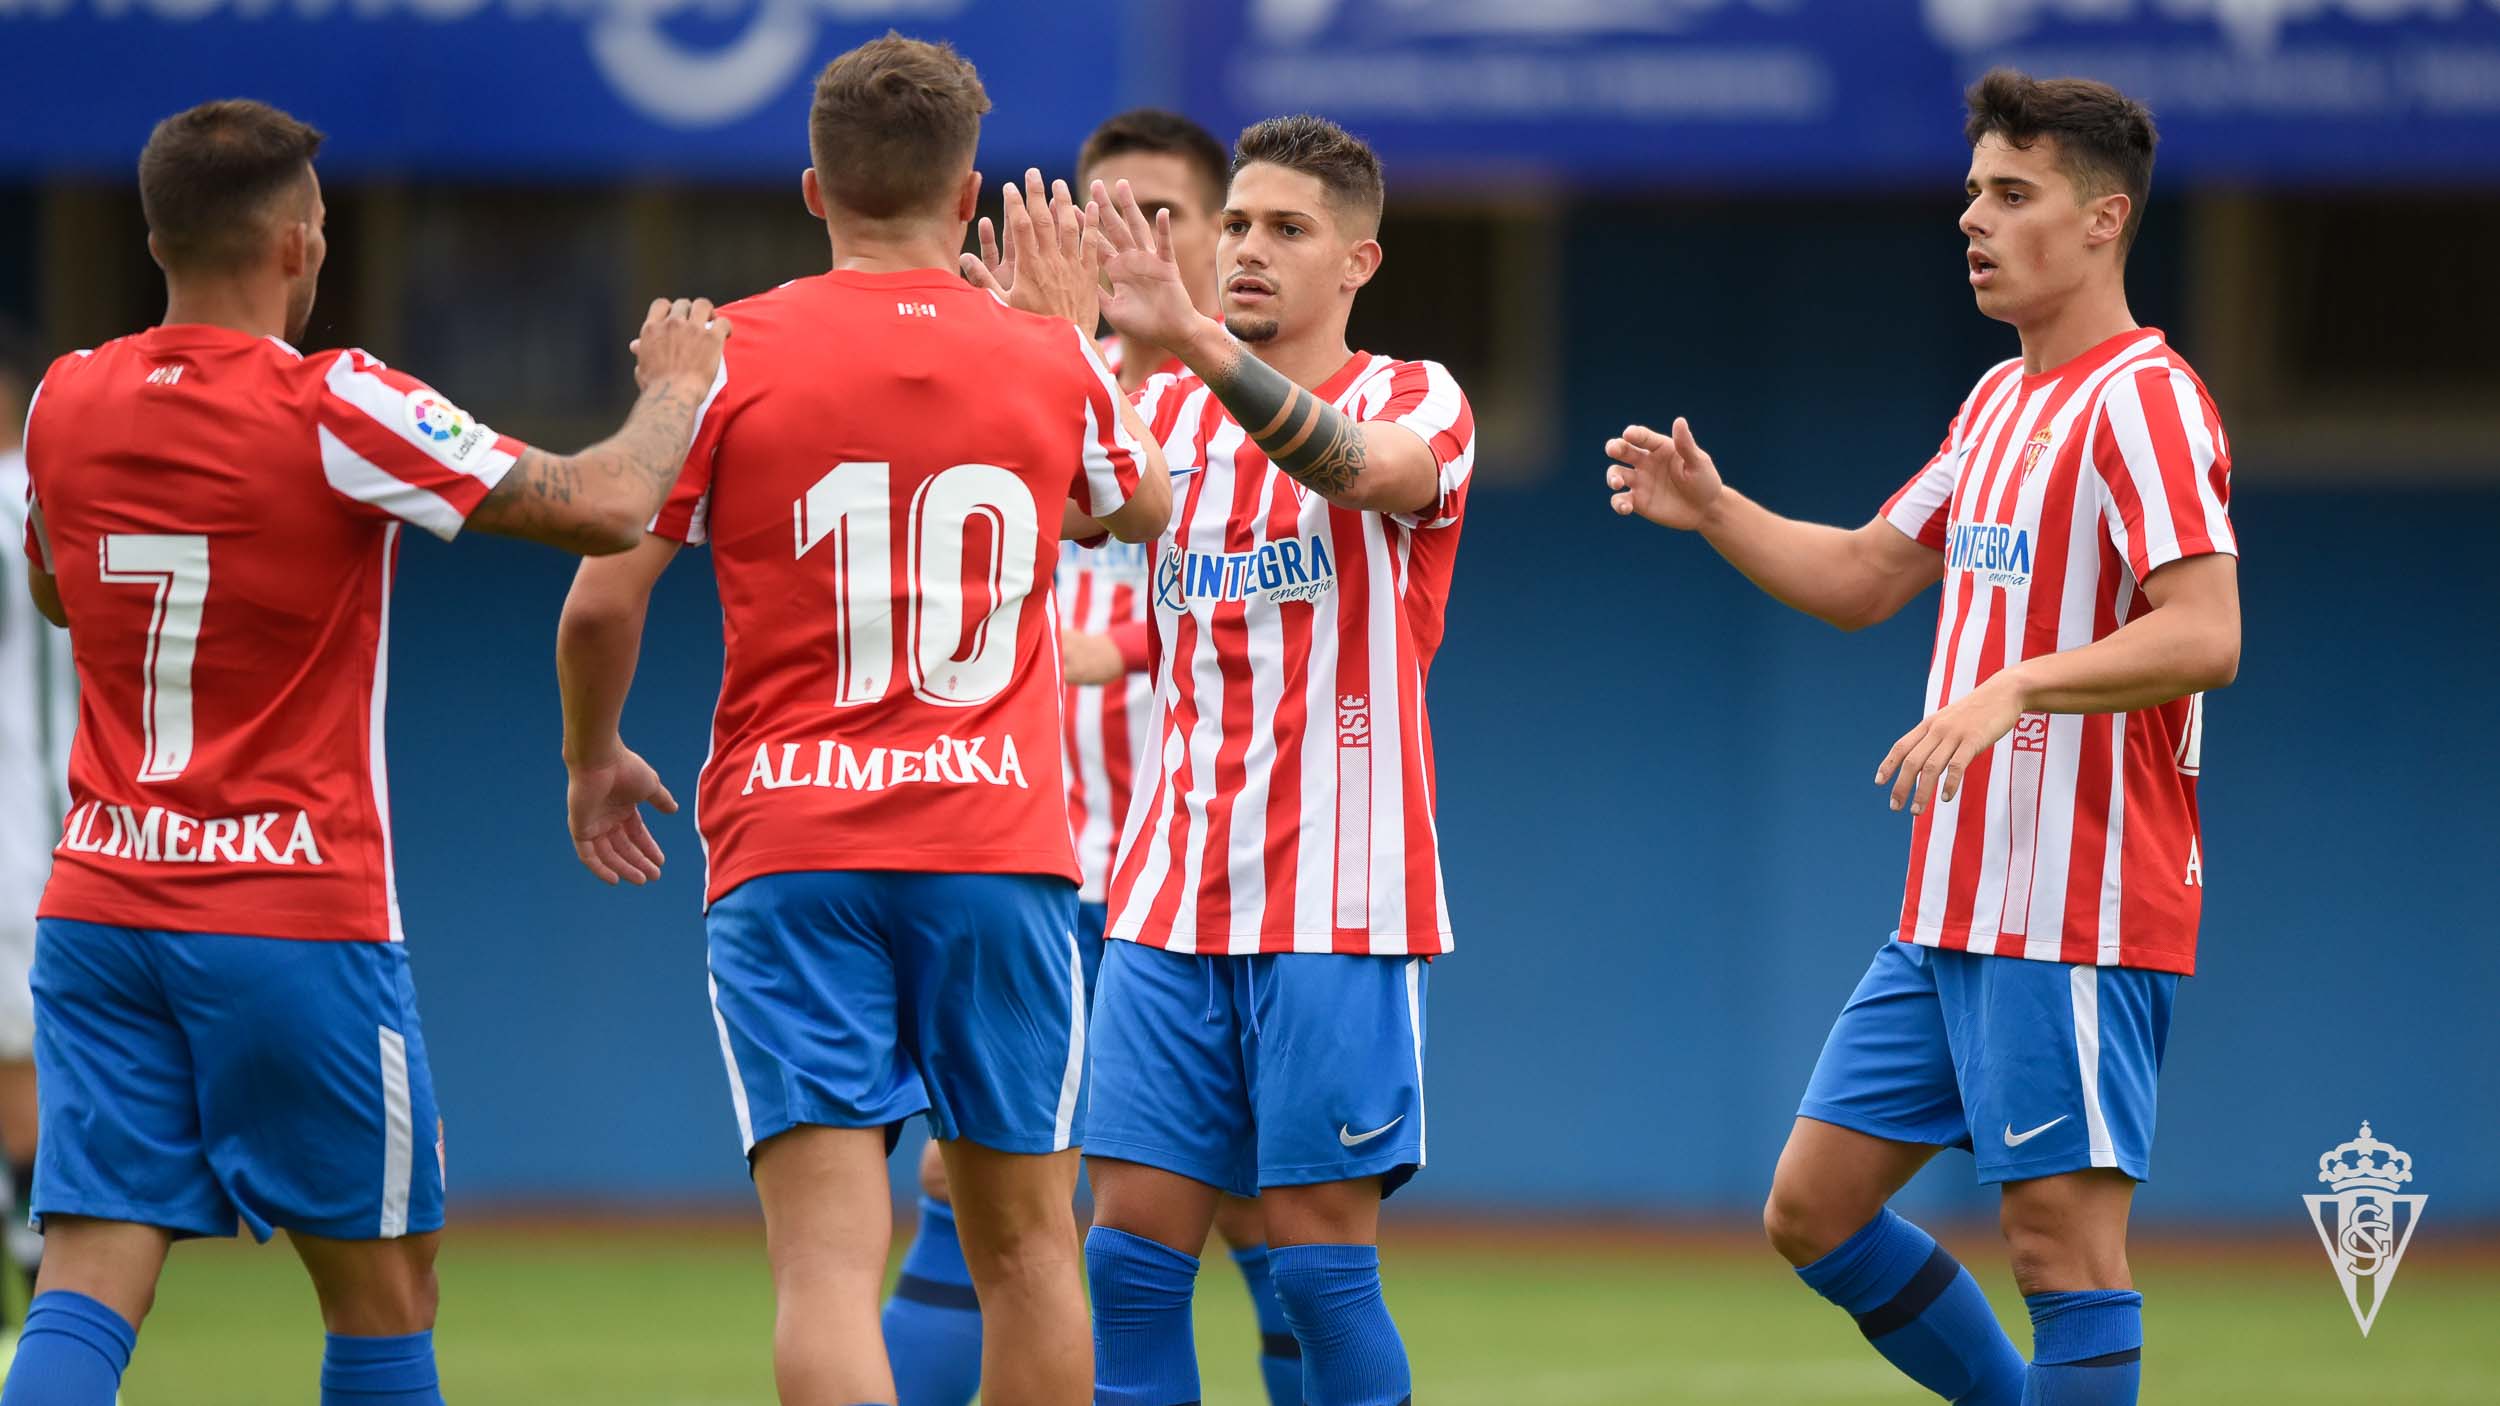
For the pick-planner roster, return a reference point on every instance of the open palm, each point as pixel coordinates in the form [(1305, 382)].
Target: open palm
[(1144, 297), (1666, 478)]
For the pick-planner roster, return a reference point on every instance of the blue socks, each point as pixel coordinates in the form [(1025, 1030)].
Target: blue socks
[(70, 1353), (1351, 1355), (1280, 1354), (1922, 1311), (933, 1322), (395, 1371), (1145, 1351), (2087, 1348)]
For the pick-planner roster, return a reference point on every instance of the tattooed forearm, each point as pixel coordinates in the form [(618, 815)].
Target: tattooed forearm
[(1318, 444), (598, 500)]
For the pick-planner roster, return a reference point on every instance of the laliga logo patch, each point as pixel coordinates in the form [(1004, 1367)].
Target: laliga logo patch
[(435, 419)]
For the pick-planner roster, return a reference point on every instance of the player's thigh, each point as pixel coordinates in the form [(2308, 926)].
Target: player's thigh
[(1171, 1086), (1887, 1067), (1169, 1208), (1335, 1049), (933, 1183), (372, 1288), (121, 1137), (2059, 1064), (116, 1263), (828, 1221), (1239, 1220), (2068, 1232), (1323, 1213), (1830, 1181), (805, 1001), (993, 1006), (1012, 1206), (315, 1094)]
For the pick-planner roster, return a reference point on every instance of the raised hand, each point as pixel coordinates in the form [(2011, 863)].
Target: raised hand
[(1048, 265), (603, 808), (1665, 478), (680, 341), (1143, 296)]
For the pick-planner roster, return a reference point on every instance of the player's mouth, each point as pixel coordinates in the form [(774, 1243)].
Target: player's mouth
[(1982, 269), (1246, 289)]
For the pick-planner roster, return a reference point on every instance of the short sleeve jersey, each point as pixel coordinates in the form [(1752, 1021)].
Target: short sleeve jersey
[(879, 472), (2053, 498), (222, 515)]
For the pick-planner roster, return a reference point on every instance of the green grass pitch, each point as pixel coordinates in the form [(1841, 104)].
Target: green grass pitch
[(644, 1316)]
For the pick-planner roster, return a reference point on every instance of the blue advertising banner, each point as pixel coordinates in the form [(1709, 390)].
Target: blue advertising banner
[(1607, 92), (689, 88), (1756, 92)]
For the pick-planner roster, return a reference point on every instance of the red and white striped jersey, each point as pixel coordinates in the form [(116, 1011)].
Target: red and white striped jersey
[(879, 471), (1102, 591), (1286, 792), (2053, 497), (223, 515)]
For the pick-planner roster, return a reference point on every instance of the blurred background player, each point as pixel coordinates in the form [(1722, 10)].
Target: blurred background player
[(932, 1321), (38, 711), (1260, 1022), (892, 891), (2077, 512), (226, 1029)]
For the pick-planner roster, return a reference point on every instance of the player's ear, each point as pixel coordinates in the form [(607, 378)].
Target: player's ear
[(155, 251), (1361, 262), (968, 197), (294, 247), (811, 194), (2109, 219)]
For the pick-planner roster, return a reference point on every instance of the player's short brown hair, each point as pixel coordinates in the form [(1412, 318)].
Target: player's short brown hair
[(1343, 164), (1153, 129), (2105, 139), (894, 124), (210, 177)]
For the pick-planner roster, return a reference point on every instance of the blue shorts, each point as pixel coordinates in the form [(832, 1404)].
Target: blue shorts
[(2037, 1067), (857, 999), (1250, 1072), (191, 1080), (1090, 918)]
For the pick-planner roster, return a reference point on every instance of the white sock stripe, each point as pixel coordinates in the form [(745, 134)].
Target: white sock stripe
[(398, 1135)]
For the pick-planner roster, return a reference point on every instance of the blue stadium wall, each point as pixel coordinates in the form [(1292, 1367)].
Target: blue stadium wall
[(1666, 862)]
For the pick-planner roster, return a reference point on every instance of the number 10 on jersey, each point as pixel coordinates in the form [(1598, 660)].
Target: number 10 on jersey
[(852, 509)]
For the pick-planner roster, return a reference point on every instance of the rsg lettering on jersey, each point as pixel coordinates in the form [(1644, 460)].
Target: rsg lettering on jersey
[(160, 836), (946, 761), (1998, 553)]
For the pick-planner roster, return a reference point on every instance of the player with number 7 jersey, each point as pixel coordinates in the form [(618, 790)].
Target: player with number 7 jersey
[(226, 1027)]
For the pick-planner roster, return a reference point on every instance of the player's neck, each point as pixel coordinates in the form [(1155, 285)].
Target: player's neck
[(1306, 360), (235, 306), (2082, 322), (896, 251)]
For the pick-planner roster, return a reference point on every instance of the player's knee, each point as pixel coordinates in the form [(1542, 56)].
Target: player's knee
[(2050, 1250), (1792, 1224)]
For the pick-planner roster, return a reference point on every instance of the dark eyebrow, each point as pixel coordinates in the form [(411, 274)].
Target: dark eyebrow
[(2005, 183), (1235, 212)]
